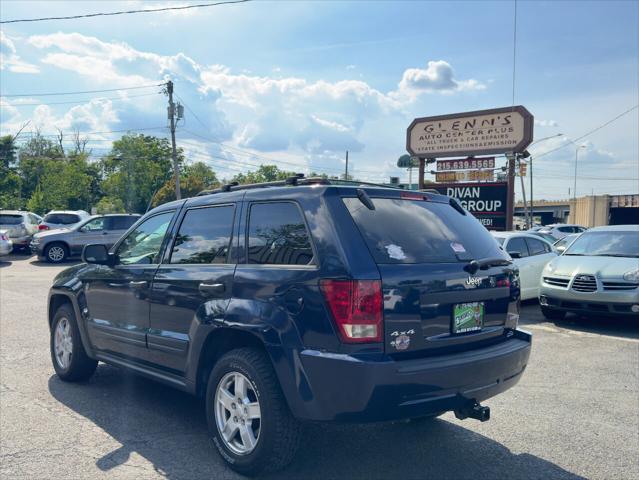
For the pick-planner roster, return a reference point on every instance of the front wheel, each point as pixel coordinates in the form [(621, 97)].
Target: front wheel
[(70, 360), (56, 253), (551, 314), (247, 414)]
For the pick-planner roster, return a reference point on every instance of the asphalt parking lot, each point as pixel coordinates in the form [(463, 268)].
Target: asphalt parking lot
[(575, 414)]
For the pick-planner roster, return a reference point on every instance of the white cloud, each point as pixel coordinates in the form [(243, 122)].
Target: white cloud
[(437, 77), (546, 123), (10, 60)]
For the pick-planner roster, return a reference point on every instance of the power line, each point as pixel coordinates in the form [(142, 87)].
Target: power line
[(80, 92), (514, 50), (110, 131), (587, 134), (37, 104), (125, 12)]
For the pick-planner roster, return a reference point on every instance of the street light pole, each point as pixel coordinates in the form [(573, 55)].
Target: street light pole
[(574, 188), (532, 205)]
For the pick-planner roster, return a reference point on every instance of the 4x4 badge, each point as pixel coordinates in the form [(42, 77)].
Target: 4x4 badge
[(402, 339)]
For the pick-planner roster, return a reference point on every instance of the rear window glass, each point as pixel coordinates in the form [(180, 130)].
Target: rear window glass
[(277, 235), (416, 231), (122, 223), (10, 219), (61, 218)]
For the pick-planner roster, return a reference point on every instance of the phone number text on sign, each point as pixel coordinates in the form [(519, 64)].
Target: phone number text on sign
[(465, 164)]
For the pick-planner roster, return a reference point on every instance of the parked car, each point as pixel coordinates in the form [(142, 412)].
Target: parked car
[(597, 274), (56, 246), (269, 303), (19, 227), (562, 244), (6, 245), (546, 236), (531, 254), (62, 219), (560, 230)]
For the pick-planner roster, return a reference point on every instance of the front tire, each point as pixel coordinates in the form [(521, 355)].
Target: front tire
[(69, 358), (248, 418), (56, 253), (551, 314)]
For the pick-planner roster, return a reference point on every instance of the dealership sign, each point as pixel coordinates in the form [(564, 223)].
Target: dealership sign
[(486, 201), (483, 132)]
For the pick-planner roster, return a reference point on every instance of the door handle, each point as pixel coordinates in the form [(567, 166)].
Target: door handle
[(211, 288), (140, 284)]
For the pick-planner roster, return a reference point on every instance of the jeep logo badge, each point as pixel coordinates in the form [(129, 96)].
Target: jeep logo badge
[(474, 281)]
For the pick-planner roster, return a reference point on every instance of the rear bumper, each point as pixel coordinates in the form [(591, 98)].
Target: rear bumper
[(344, 388), (21, 241), (6, 247)]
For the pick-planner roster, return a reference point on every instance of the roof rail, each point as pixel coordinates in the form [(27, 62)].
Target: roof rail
[(297, 179)]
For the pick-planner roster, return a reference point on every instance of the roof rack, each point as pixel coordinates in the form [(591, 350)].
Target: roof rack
[(297, 179)]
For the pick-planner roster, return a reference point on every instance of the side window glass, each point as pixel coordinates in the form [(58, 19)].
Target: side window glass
[(517, 244), (204, 236), (142, 245), (94, 225), (277, 235), (121, 223), (535, 247)]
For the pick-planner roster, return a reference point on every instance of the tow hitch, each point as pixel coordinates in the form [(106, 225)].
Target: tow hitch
[(473, 410)]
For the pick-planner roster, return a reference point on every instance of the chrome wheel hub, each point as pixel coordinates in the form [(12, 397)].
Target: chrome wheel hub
[(56, 253), (63, 343), (237, 413)]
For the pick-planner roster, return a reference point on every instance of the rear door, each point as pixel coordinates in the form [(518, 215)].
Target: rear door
[(422, 247), (193, 284)]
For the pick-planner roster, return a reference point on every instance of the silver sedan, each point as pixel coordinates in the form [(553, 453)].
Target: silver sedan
[(597, 274)]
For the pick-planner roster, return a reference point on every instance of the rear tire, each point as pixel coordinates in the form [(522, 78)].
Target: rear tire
[(261, 435), (56, 252), (551, 314), (69, 358)]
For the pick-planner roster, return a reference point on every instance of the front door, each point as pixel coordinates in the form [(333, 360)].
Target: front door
[(193, 284), (118, 297)]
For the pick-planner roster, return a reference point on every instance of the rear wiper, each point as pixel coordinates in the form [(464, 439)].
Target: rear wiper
[(484, 263), (574, 254)]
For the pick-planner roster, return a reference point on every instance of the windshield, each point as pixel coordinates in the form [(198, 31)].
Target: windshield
[(415, 231), (61, 218), (10, 219), (613, 244)]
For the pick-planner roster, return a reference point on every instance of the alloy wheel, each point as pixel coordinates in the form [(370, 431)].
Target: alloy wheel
[(56, 253), (237, 413), (63, 343)]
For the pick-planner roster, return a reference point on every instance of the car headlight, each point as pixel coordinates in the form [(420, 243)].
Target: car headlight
[(550, 266), (632, 276)]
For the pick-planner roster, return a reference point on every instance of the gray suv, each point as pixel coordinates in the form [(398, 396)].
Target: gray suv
[(57, 245)]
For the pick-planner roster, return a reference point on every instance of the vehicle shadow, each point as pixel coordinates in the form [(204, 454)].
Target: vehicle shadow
[(168, 429)]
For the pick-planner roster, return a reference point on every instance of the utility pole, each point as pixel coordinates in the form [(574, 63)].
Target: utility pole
[(346, 169), (532, 206), (510, 203), (171, 114), (523, 194)]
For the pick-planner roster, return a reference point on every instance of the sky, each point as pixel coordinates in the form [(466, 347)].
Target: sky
[(296, 84)]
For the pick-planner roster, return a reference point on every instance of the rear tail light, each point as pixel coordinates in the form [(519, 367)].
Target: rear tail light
[(43, 227), (3, 237), (356, 306)]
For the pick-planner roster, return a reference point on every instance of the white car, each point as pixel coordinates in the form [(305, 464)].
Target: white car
[(560, 230), (62, 219), (531, 254)]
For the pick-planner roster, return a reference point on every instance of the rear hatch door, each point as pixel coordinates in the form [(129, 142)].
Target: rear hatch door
[(435, 300)]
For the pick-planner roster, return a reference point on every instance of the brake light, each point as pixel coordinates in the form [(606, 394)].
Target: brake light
[(43, 227), (412, 196), (356, 306), (3, 237)]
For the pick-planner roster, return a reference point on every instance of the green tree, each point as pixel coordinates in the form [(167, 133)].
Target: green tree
[(202, 171), (37, 202), (10, 182), (137, 165), (265, 173), (109, 205)]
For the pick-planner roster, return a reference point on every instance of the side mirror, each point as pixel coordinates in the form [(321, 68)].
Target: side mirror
[(514, 254), (98, 254)]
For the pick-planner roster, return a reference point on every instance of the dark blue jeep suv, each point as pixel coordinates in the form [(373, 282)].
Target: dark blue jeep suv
[(299, 300)]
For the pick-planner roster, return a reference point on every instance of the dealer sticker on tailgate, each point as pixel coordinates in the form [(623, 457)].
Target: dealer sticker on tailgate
[(468, 317)]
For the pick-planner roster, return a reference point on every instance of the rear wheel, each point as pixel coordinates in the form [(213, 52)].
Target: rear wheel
[(70, 360), (247, 414), (551, 314), (56, 252)]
